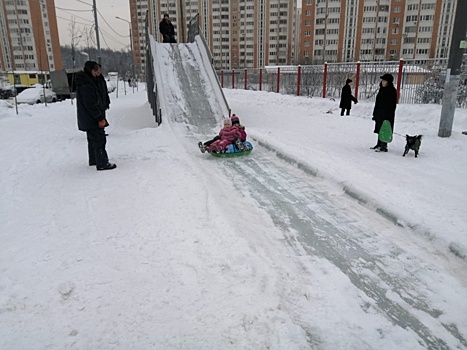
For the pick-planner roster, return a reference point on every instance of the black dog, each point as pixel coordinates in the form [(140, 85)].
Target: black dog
[(413, 142)]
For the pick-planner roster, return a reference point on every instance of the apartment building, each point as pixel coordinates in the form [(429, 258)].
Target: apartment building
[(240, 33), (372, 30), (29, 36), (138, 11)]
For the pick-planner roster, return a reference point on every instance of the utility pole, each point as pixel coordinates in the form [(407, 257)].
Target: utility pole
[(132, 50), (453, 73), (182, 24), (97, 32)]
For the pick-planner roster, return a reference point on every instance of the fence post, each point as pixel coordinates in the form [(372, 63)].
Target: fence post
[(222, 78), (246, 79), (399, 78), (260, 79), (325, 75), (233, 78), (357, 80), (278, 78), (298, 79)]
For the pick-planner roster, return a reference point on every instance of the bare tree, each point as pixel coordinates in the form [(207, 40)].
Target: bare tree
[(76, 35)]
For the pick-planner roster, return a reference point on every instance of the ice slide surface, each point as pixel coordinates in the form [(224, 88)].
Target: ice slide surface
[(188, 89), (316, 221)]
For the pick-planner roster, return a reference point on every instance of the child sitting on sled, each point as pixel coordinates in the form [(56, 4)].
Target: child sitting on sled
[(227, 135), (238, 142)]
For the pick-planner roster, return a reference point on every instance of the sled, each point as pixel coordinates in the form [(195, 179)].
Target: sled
[(385, 132), (231, 151)]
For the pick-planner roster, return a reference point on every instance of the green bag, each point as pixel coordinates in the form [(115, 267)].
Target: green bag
[(385, 132)]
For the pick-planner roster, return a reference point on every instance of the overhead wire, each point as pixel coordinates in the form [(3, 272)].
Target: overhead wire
[(70, 20), (111, 37), (123, 36), (85, 19), (61, 8), (84, 2)]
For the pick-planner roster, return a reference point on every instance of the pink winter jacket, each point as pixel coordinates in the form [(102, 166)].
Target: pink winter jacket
[(241, 128), (227, 135)]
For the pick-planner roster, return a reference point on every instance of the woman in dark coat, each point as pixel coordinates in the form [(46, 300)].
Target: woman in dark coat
[(91, 108), (166, 28), (385, 108), (347, 98)]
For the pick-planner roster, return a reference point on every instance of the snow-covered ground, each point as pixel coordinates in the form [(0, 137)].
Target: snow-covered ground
[(173, 250)]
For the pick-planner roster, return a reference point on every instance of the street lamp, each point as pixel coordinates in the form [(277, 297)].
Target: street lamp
[(131, 47)]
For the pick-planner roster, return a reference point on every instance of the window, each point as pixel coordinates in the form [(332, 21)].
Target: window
[(428, 6), (424, 40)]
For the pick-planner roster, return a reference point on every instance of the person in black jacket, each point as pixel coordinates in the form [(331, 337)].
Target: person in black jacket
[(103, 88), (347, 98), (167, 30), (91, 108), (104, 93), (385, 108)]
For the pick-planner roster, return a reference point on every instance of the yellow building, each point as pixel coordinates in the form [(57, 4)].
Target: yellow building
[(27, 77)]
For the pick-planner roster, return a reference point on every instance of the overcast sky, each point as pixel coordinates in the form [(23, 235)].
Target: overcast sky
[(114, 34)]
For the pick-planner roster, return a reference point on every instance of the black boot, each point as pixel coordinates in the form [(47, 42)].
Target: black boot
[(383, 147), (108, 166), (239, 144), (202, 148), (377, 146)]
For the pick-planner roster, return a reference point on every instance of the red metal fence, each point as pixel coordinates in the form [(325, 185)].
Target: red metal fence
[(416, 81)]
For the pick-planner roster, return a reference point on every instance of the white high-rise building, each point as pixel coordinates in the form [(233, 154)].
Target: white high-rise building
[(240, 33)]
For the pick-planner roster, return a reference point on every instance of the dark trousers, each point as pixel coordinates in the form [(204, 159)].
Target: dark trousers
[(169, 39), (96, 147), (208, 143), (344, 109)]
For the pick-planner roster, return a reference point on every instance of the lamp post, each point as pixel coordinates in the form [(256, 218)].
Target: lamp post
[(131, 47)]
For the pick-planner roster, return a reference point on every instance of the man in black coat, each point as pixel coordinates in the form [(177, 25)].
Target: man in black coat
[(91, 108), (167, 30), (347, 98), (385, 108)]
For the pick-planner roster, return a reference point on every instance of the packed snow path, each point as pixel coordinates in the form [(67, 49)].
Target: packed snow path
[(325, 227)]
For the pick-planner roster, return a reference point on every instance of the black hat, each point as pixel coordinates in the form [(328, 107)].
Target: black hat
[(90, 66), (234, 119), (388, 77), (348, 81)]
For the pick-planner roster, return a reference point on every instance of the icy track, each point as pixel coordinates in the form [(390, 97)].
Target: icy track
[(324, 226)]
